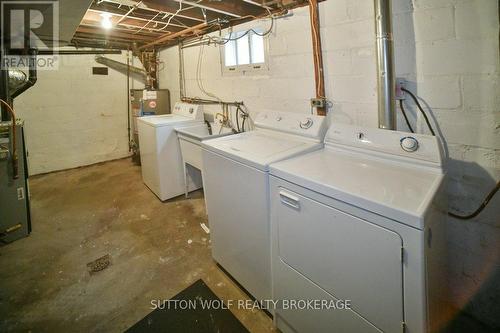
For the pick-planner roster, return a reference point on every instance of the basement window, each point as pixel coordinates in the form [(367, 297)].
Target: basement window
[(245, 51)]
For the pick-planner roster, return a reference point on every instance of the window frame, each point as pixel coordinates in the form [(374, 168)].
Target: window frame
[(247, 68)]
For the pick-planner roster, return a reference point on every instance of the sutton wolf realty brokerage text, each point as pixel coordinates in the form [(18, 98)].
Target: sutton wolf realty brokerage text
[(292, 304)]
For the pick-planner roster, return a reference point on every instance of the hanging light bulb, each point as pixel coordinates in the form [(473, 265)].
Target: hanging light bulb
[(106, 21)]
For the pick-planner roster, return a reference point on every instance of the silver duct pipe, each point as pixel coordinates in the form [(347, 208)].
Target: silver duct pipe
[(16, 79), (135, 72), (385, 65)]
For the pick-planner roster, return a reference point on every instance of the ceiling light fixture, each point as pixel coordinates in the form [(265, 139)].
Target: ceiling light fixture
[(106, 21)]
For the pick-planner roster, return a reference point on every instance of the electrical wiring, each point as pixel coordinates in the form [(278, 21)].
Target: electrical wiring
[(490, 195), (224, 106), (480, 208), (401, 106), (147, 23), (173, 15), (415, 99), (199, 80), (237, 119), (223, 40)]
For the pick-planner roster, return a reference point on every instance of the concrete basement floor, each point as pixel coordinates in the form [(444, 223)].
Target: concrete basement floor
[(82, 214)]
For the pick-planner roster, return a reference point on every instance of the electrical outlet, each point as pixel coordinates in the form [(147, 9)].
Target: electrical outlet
[(400, 94)]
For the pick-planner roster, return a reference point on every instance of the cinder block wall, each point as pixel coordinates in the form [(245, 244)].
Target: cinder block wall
[(448, 50), (73, 118)]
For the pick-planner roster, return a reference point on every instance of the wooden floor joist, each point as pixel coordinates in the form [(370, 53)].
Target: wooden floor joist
[(158, 23)]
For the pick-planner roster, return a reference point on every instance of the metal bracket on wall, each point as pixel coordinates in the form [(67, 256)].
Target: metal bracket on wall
[(318, 102)]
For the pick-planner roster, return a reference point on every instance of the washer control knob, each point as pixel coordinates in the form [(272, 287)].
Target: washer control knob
[(307, 123), (278, 118), (409, 143)]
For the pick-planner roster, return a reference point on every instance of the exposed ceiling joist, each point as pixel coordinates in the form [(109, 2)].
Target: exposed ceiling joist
[(164, 39), (79, 41), (94, 15), (171, 6), (113, 34), (102, 40), (236, 8), (144, 13), (123, 28), (258, 3), (158, 23)]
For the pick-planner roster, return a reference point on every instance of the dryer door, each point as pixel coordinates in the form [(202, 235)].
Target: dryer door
[(349, 258)]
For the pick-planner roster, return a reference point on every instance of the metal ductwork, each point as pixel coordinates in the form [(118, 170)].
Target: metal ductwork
[(30, 80), (385, 65), (135, 72), (16, 79)]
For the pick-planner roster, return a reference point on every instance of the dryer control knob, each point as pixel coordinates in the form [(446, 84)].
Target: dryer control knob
[(409, 144), (306, 124)]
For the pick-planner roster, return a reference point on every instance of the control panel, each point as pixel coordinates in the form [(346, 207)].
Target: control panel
[(193, 111), (307, 125), (416, 146)]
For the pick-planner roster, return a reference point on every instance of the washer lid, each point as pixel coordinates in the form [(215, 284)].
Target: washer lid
[(394, 190), (259, 148), (165, 120)]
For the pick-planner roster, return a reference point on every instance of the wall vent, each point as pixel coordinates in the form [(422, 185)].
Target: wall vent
[(100, 70)]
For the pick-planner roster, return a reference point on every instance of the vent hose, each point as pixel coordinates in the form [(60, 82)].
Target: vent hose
[(134, 72)]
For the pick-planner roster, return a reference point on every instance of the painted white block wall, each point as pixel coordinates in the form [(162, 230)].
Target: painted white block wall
[(449, 55), (287, 85), (73, 118), (448, 51)]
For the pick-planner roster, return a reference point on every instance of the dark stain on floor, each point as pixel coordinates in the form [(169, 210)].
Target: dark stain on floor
[(156, 250)]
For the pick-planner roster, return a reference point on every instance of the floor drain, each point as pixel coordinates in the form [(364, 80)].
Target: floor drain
[(99, 264)]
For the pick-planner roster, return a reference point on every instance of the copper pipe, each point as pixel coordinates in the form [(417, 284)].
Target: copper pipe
[(14, 146), (317, 54)]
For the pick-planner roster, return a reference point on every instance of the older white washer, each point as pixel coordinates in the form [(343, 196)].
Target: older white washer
[(161, 161), (360, 220), (236, 191)]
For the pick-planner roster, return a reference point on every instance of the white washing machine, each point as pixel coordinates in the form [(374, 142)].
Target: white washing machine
[(360, 221), (235, 170), (161, 161)]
